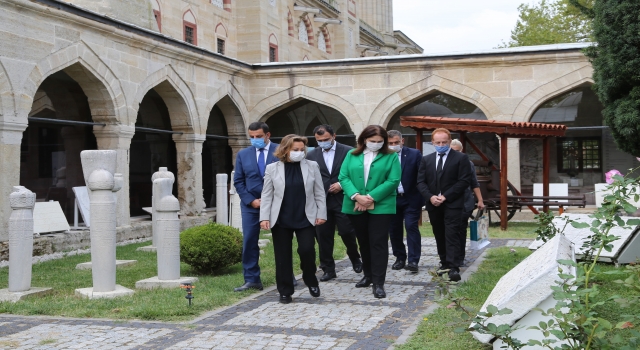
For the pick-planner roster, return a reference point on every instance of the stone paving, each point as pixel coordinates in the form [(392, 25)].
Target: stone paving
[(343, 317)]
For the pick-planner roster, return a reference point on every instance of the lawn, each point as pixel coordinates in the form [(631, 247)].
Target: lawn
[(211, 292)]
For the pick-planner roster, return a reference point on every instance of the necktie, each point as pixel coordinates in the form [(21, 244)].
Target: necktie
[(439, 171), (261, 162)]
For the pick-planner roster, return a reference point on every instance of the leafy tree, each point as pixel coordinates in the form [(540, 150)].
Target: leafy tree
[(551, 22), (616, 64)]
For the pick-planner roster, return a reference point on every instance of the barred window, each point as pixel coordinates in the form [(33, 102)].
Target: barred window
[(221, 46), (579, 154), (190, 34)]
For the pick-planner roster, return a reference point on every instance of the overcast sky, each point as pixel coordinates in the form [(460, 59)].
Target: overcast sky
[(456, 25)]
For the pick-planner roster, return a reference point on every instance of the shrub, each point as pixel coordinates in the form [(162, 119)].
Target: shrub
[(211, 247)]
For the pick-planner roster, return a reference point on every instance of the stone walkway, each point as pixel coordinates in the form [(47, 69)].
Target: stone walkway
[(342, 318)]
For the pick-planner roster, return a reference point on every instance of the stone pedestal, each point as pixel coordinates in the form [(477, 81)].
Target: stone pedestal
[(91, 293), (235, 216), (99, 168), (119, 263), (6, 295), (222, 205)]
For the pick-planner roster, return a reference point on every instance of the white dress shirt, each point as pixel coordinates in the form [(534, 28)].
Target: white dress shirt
[(328, 156), (400, 188), (444, 158), (266, 153), (369, 156)]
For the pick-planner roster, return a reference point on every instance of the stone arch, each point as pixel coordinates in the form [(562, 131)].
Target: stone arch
[(323, 33), (221, 30), (104, 92), (530, 103), (393, 103), (309, 26), (290, 29), (6, 93), (270, 105), (233, 108), (177, 96)]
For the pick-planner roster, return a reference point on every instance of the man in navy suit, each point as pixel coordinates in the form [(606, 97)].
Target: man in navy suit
[(251, 163), (409, 203)]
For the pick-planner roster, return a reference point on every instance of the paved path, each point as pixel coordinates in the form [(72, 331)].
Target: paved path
[(342, 318)]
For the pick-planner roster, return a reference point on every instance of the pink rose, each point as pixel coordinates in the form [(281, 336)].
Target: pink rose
[(610, 174)]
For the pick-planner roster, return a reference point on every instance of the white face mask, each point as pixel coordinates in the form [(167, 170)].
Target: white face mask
[(396, 148), (374, 146), (296, 156)]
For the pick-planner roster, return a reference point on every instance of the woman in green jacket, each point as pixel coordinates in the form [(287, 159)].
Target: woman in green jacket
[(369, 177)]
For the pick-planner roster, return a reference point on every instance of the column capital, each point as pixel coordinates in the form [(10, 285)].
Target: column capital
[(114, 136), (189, 143), (11, 132)]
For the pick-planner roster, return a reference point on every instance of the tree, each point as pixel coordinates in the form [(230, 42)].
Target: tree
[(616, 64), (551, 22)]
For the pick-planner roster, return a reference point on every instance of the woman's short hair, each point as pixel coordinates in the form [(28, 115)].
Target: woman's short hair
[(370, 131), (286, 145), (457, 143)]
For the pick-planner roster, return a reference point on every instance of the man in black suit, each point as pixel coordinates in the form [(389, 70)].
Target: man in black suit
[(408, 206), (442, 180), (329, 155)]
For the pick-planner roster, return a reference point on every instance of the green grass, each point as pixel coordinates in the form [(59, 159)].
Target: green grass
[(435, 331), (211, 292), (516, 230)]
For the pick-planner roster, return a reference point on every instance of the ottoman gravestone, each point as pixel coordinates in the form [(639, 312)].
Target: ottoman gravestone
[(528, 286), (167, 229), (98, 168), (235, 216), (22, 202), (162, 173), (222, 205)]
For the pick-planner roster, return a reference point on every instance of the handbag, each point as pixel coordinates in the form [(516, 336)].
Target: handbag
[(479, 230)]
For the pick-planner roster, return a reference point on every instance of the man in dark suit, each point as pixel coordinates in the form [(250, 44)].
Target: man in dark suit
[(408, 206), (329, 155), (442, 180), (251, 163)]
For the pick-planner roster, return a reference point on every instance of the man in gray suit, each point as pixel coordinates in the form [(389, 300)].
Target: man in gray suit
[(329, 155)]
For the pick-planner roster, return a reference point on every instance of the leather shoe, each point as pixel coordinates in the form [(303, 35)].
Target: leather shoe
[(364, 282), (357, 266), (454, 275), (398, 265), (285, 299), (328, 276), (412, 266), (314, 291), (378, 291), (247, 286)]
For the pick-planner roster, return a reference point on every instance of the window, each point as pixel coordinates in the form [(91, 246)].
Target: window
[(273, 53), (221, 46), (576, 155), (189, 34), (190, 28)]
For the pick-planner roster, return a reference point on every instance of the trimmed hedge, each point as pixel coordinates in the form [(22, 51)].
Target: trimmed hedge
[(211, 247)]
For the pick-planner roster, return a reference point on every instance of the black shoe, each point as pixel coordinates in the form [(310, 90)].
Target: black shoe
[(328, 276), (378, 291), (412, 266), (441, 270), (295, 282), (357, 266), (247, 286), (364, 282), (285, 299), (398, 265), (454, 275), (314, 291)]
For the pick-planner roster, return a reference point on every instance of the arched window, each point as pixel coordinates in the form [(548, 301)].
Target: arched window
[(190, 28), (302, 32), (157, 13), (221, 38), (322, 45), (324, 40), (273, 48)]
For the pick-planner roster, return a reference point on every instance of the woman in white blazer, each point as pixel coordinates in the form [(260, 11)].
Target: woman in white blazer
[(293, 201)]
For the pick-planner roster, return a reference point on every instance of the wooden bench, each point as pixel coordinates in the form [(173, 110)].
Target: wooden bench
[(547, 201)]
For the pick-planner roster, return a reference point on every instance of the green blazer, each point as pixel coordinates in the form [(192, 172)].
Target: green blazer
[(384, 176)]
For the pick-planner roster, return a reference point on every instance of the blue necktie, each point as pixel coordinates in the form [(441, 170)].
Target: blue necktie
[(261, 162)]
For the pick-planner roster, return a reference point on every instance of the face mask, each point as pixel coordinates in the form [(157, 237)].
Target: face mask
[(374, 146), (325, 145), (296, 156), (442, 149), (396, 148), (258, 143)]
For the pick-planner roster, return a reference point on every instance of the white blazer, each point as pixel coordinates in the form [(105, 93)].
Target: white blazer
[(273, 191)]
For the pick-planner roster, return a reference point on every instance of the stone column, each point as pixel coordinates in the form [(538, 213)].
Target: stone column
[(513, 156), (10, 140), (222, 216), (118, 138), (189, 155), (21, 239), (240, 142), (99, 168), (235, 216)]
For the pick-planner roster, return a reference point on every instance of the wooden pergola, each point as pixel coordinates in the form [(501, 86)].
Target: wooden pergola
[(503, 129)]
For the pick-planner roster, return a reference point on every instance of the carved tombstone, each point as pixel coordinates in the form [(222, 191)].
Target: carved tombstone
[(235, 216), (20, 238), (162, 173), (222, 205)]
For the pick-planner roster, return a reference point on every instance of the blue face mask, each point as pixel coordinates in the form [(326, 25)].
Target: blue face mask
[(325, 145), (442, 149), (258, 143)]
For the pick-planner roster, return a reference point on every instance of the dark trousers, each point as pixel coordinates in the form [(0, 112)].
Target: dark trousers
[(450, 241), (250, 249), (325, 234), (408, 210), (282, 247), (464, 224), (372, 231)]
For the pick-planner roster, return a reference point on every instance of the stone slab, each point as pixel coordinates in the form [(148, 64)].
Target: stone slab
[(330, 316), (88, 293), (555, 189), (119, 263), (84, 205), (6, 295), (148, 249), (628, 238), (154, 282), (48, 217), (528, 284)]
